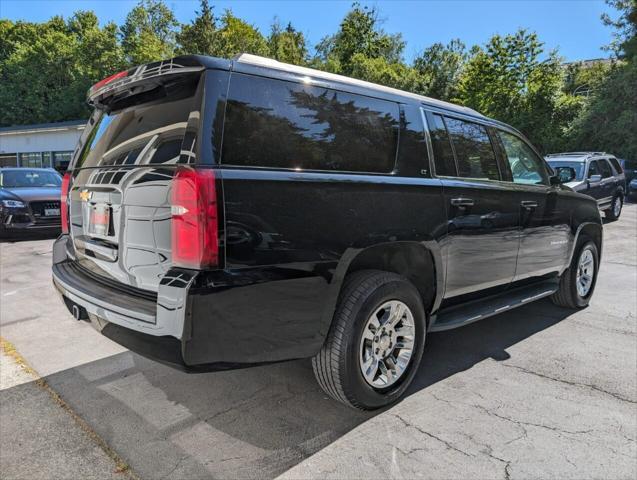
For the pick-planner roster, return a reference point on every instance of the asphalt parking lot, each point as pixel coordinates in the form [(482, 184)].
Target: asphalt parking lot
[(536, 392)]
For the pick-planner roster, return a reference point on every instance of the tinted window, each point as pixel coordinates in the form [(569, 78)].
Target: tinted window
[(616, 165), (119, 137), (593, 169), (526, 167), (273, 123), (443, 153), (474, 153), (605, 168)]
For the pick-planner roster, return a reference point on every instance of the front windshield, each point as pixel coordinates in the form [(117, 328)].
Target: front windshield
[(29, 178), (577, 166)]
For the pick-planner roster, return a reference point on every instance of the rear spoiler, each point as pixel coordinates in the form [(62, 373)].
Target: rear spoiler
[(141, 79)]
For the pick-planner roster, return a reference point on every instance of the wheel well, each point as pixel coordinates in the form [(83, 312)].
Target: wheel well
[(594, 232), (412, 261)]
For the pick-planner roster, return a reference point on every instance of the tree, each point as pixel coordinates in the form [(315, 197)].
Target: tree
[(609, 122), (508, 81), (625, 36), (379, 70), (359, 33), (440, 66), (47, 68), (287, 45), (148, 33), (237, 36), (199, 37)]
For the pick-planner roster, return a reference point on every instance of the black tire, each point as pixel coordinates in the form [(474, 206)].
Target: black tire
[(337, 365), (567, 295), (610, 213)]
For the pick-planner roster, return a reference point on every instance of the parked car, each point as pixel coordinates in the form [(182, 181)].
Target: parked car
[(597, 174), (29, 200), (630, 171), (225, 213), (632, 187)]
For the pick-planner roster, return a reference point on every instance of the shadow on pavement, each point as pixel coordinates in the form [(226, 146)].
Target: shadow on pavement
[(252, 423), (13, 237)]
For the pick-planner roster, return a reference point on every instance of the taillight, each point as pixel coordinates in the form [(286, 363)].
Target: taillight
[(108, 80), (195, 242), (64, 202)]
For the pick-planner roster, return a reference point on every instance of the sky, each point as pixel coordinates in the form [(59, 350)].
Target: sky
[(572, 26)]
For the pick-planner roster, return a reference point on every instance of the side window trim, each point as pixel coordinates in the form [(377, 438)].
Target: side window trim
[(430, 150), (429, 117), (500, 154)]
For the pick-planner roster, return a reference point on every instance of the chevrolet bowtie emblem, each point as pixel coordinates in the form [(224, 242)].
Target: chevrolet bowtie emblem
[(85, 195)]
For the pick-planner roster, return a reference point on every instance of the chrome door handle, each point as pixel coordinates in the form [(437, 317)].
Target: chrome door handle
[(528, 204), (462, 202)]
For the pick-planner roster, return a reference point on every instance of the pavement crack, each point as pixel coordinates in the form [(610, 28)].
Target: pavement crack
[(177, 465), (430, 435), (574, 384), (522, 423)]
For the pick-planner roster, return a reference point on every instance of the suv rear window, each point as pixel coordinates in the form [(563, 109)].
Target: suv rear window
[(280, 124), (119, 138)]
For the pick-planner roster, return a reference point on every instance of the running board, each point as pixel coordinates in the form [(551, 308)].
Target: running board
[(460, 315)]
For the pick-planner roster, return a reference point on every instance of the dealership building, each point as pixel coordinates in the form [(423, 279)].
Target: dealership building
[(40, 145)]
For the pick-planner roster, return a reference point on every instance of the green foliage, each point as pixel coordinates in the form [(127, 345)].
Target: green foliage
[(148, 34), (199, 37), (287, 45), (380, 70), (440, 67), (225, 37), (582, 79), (609, 121), (237, 36), (509, 81), (359, 33), (625, 36), (46, 68)]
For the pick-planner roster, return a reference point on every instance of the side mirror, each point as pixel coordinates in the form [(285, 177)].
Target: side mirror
[(563, 175), (594, 179)]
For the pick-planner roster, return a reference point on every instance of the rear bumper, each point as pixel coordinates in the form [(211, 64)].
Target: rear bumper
[(155, 328), (203, 321)]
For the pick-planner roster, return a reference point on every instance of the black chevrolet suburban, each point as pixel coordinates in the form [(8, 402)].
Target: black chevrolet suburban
[(219, 214)]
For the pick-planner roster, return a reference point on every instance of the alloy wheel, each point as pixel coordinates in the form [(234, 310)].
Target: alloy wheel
[(387, 344), (585, 272)]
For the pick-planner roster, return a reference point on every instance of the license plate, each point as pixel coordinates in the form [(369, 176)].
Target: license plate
[(99, 220), (51, 212)]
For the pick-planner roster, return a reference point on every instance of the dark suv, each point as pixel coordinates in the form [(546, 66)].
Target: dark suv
[(225, 213), (597, 174)]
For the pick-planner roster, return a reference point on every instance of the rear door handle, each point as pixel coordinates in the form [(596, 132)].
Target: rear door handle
[(528, 204), (462, 202)]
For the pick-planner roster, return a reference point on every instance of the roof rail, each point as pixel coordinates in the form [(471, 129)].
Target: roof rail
[(576, 154)]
